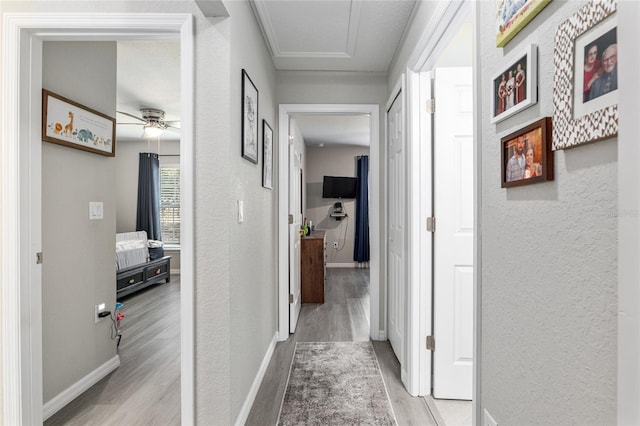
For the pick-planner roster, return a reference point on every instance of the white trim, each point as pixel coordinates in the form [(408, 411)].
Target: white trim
[(23, 34), (436, 35), (253, 391), (476, 396), (285, 110), (75, 390), (342, 265), (628, 348)]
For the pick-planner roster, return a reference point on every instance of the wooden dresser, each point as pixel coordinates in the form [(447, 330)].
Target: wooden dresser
[(313, 267)]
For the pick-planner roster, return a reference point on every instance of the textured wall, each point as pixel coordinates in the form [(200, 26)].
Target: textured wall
[(253, 243), (79, 271), (332, 161), (549, 263)]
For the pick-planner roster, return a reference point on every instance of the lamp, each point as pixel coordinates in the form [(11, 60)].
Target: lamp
[(153, 129)]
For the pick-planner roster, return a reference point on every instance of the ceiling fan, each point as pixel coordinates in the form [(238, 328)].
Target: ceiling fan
[(152, 121)]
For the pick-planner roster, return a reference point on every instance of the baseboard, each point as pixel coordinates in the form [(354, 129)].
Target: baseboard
[(382, 335), (342, 265), (433, 410), (58, 402), (253, 391), (174, 271)]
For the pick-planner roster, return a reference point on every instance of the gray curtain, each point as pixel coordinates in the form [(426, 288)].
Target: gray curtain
[(148, 214)]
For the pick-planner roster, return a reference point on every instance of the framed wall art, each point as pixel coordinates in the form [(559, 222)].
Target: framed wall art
[(526, 155), (585, 81), (68, 123), (249, 119), (515, 87), (513, 15), (267, 155)]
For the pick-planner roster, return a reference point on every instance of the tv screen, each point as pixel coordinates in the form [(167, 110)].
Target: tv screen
[(339, 187)]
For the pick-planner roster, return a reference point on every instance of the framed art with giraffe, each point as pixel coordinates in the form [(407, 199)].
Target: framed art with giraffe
[(68, 123)]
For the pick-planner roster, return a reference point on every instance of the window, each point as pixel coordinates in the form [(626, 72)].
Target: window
[(170, 204)]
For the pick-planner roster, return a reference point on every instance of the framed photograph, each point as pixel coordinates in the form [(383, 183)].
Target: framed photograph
[(267, 155), (514, 15), (65, 122), (515, 87), (585, 80), (249, 119), (526, 155)]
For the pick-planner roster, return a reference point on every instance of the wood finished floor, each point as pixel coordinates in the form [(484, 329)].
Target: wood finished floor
[(145, 389), (342, 318)]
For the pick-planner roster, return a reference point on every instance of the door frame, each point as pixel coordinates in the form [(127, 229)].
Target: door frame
[(443, 25), (375, 283), (21, 304)]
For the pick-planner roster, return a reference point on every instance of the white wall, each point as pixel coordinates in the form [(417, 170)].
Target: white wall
[(332, 161), (549, 261), (253, 243), (79, 270)]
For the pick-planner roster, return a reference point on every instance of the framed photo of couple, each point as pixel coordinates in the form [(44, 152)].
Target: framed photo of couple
[(585, 86), (514, 88), (526, 155)]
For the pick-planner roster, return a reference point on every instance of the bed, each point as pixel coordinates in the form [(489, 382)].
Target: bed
[(136, 269)]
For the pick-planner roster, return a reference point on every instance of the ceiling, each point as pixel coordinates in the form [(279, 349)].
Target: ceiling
[(325, 35), (333, 35), (148, 76)]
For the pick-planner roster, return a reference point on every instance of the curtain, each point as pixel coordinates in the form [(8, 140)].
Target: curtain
[(361, 246), (148, 215)]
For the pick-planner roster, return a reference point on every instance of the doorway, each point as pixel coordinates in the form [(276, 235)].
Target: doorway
[(286, 112), (21, 303)]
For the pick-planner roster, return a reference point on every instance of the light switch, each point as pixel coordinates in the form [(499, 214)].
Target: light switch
[(240, 211), (95, 210)]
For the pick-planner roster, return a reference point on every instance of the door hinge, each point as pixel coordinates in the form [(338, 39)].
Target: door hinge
[(39, 258), (431, 106), (431, 224), (290, 298), (431, 343), (290, 219)]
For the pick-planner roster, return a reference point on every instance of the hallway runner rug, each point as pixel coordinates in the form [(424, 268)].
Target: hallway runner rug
[(335, 383)]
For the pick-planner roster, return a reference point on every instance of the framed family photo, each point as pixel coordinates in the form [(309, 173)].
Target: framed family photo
[(514, 88), (68, 123), (267, 155), (585, 89), (526, 155), (249, 119), (513, 15)]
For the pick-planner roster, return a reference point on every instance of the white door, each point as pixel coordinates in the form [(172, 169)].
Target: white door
[(396, 227), (453, 239), (295, 203)]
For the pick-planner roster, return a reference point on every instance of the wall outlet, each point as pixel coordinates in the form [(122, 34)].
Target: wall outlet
[(99, 308), (488, 419), (335, 244)]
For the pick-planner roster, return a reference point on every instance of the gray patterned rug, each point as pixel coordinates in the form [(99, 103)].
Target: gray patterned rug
[(335, 383)]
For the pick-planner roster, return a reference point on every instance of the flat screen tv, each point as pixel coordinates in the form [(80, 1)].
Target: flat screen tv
[(339, 187)]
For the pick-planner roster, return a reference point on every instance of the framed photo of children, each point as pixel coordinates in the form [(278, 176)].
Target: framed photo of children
[(515, 87), (585, 80), (526, 155)]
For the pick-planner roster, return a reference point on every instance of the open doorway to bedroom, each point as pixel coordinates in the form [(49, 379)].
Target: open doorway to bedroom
[(144, 322)]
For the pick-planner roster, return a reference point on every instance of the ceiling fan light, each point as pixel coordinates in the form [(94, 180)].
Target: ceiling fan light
[(152, 131)]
